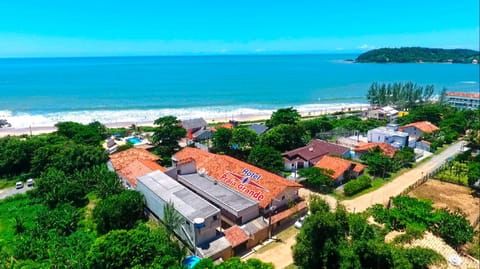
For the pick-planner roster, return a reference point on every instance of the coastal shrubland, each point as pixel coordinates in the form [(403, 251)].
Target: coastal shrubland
[(348, 241)]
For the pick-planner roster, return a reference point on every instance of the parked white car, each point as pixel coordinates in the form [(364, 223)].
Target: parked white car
[(30, 182), (19, 185)]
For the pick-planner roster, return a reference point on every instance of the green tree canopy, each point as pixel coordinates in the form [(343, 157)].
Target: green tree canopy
[(120, 211), (142, 247), (167, 134), (317, 178), (243, 138), (90, 134), (283, 116), (267, 158), (221, 139), (284, 137)]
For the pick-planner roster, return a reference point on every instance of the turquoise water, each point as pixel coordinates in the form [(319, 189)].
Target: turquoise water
[(45, 90), (134, 140)]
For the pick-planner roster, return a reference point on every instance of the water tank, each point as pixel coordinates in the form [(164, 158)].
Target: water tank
[(199, 222)]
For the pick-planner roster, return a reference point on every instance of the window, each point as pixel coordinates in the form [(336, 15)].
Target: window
[(187, 223), (215, 217), (283, 197)]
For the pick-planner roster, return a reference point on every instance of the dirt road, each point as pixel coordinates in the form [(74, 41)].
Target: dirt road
[(403, 181)]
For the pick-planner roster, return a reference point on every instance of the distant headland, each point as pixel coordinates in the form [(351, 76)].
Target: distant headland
[(418, 55)]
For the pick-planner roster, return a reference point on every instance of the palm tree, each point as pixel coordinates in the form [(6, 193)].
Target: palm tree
[(171, 218)]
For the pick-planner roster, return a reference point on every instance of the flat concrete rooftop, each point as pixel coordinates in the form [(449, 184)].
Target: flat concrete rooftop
[(186, 202), (217, 193)]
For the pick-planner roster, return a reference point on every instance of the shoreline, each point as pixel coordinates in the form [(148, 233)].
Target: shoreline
[(36, 130)]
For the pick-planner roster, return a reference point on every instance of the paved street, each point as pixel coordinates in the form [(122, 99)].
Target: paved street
[(400, 183), (12, 191)]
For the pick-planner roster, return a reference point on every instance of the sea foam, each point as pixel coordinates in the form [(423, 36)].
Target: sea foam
[(137, 116)]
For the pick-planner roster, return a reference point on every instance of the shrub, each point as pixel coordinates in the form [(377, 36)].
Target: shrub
[(357, 185)]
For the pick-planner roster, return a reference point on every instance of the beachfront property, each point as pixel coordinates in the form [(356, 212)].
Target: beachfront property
[(463, 100), (342, 169), (416, 129), (236, 208), (193, 125), (132, 163), (199, 218), (309, 155), (388, 134), (272, 192), (383, 113)]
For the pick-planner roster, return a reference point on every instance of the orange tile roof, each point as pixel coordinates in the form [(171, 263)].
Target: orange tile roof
[(464, 94), (358, 168), (338, 165), (123, 158), (235, 235), (287, 213), (135, 162), (388, 150), (424, 126), (139, 168), (242, 177)]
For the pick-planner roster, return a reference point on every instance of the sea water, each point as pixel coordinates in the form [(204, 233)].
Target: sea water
[(42, 91)]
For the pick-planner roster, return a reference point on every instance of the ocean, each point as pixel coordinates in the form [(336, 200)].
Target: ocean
[(43, 91)]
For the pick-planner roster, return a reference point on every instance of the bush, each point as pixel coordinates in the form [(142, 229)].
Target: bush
[(357, 185)]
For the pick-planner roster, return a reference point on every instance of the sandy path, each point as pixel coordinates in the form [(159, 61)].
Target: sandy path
[(400, 183), (279, 253)]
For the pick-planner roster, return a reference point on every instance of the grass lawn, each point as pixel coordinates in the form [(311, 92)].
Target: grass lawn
[(4, 183)]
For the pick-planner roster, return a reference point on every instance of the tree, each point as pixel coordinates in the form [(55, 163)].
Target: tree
[(142, 247), (284, 137), (167, 134), (121, 211), (404, 158), (315, 126), (90, 134), (267, 158), (171, 217), (283, 116), (378, 164), (243, 138), (233, 263), (318, 178), (221, 139), (454, 228)]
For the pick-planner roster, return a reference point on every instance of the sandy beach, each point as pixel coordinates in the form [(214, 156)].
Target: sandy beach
[(35, 130)]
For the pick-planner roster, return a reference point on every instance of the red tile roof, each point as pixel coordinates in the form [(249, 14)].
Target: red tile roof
[(287, 213), (424, 126), (315, 150), (123, 158), (235, 235), (133, 163), (139, 168), (242, 177), (387, 149), (464, 94), (338, 165), (358, 168)]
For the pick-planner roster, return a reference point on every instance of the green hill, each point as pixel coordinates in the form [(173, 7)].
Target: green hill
[(417, 54)]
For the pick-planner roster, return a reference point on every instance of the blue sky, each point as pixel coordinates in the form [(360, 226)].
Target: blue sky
[(34, 28)]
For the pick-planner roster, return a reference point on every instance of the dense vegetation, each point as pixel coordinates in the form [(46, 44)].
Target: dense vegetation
[(357, 185), (416, 216), (418, 54), (76, 199), (342, 240)]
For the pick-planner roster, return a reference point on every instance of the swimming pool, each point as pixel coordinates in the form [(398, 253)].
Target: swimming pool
[(134, 140)]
